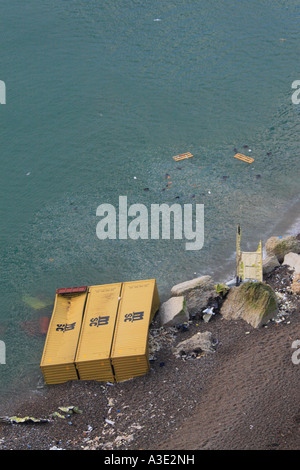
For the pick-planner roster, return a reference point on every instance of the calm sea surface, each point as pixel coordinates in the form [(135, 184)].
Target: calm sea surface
[(99, 97)]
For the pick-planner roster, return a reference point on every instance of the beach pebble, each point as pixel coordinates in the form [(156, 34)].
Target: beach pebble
[(108, 421)]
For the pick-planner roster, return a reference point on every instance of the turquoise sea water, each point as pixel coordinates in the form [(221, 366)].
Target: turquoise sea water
[(100, 96)]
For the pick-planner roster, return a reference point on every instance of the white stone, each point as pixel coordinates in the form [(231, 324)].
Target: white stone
[(293, 261)]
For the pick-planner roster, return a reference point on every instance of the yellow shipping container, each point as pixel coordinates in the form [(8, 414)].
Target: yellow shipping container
[(138, 305), (57, 363), (93, 353)]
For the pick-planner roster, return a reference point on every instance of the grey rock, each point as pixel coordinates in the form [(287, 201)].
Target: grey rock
[(200, 342), (254, 302), (280, 246), (197, 292), (173, 312), (270, 263)]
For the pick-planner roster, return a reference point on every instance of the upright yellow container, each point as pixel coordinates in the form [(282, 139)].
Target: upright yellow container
[(93, 353), (57, 363), (138, 305)]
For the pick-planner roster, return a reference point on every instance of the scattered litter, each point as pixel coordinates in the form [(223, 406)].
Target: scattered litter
[(182, 156), (208, 313), (244, 158), (160, 337), (70, 409), (108, 421), (57, 415), (110, 402), (122, 439)]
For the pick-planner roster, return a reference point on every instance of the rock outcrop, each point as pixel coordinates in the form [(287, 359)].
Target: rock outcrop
[(254, 302), (269, 264), (280, 246), (197, 292)]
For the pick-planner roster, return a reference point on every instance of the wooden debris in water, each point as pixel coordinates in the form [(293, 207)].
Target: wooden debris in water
[(182, 156), (244, 158)]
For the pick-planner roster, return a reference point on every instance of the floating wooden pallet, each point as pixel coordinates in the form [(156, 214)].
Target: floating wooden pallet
[(182, 156), (244, 158)]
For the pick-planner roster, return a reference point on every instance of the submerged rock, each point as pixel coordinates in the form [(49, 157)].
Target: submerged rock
[(254, 302), (173, 312), (280, 246), (197, 292)]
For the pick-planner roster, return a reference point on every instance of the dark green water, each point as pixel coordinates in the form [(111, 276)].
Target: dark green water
[(101, 92)]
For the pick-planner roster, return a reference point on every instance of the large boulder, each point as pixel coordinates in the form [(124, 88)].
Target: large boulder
[(254, 302), (200, 342), (293, 261), (280, 246), (269, 264), (197, 292), (173, 312)]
